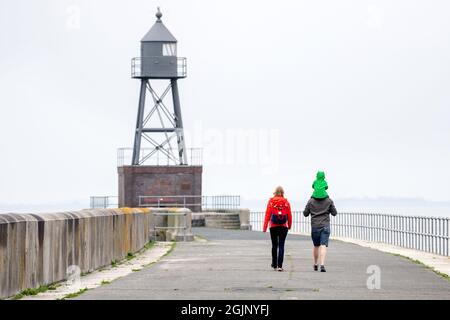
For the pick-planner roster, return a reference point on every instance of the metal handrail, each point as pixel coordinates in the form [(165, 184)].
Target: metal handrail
[(429, 234), (103, 202), (222, 202)]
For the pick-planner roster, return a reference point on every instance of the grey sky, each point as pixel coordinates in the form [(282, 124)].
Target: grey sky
[(359, 89)]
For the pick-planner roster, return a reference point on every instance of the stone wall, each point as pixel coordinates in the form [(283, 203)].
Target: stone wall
[(37, 249)]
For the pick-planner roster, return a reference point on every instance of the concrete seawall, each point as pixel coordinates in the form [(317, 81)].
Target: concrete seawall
[(38, 249)]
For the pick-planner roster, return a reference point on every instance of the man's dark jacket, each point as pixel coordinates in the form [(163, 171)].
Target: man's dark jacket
[(320, 210)]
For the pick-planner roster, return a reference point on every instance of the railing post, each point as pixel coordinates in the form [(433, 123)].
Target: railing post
[(417, 235), (437, 234), (388, 229), (348, 223), (396, 228), (402, 231), (441, 251), (393, 229), (358, 226), (378, 228), (353, 223), (421, 232), (405, 231), (364, 226), (412, 232), (434, 235), (447, 222), (408, 234)]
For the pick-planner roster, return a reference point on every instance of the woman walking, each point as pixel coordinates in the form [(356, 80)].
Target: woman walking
[(279, 216)]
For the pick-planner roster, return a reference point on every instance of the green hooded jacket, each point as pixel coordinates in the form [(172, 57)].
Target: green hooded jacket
[(320, 186)]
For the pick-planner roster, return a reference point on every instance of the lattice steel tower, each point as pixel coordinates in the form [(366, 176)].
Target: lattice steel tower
[(159, 126)]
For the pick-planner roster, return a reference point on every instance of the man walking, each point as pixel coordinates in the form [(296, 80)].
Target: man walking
[(320, 206)]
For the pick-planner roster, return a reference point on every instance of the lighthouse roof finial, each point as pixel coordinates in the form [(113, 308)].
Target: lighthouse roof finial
[(159, 32), (159, 15)]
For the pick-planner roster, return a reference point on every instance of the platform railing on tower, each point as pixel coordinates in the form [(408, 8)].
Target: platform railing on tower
[(159, 157), (137, 70)]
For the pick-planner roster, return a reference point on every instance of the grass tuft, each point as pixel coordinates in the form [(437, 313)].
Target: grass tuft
[(75, 294), (33, 291), (149, 245)]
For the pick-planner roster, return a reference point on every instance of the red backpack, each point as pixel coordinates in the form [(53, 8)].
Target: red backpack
[(279, 211)]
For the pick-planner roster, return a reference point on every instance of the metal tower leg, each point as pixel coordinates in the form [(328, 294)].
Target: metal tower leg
[(179, 123), (139, 124)]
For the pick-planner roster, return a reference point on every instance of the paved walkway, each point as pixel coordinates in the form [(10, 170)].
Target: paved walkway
[(105, 275), (234, 264)]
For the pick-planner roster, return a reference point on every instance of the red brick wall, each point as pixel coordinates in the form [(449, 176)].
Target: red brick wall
[(135, 181)]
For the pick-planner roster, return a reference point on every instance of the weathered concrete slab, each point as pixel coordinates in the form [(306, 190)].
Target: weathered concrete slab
[(235, 264)]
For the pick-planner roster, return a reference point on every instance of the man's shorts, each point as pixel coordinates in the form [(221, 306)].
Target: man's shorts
[(320, 236)]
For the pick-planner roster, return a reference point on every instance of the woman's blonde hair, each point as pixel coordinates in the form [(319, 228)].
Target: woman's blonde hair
[(279, 191)]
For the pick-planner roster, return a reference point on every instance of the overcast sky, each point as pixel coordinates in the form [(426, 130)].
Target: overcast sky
[(359, 89)]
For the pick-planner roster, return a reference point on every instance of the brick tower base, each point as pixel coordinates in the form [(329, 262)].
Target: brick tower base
[(135, 181)]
